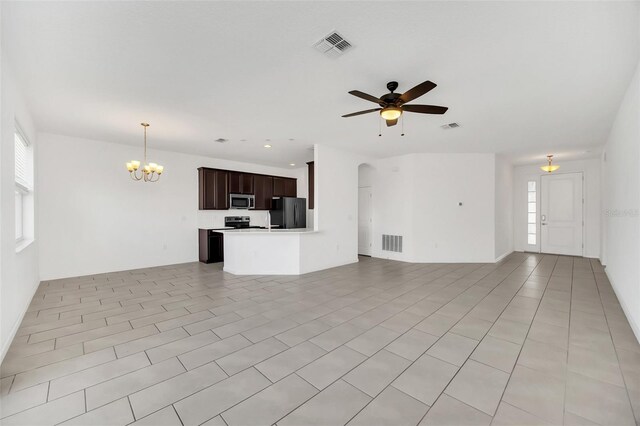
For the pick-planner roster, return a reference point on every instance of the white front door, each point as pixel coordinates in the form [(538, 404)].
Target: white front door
[(561, 205), (365, 222)]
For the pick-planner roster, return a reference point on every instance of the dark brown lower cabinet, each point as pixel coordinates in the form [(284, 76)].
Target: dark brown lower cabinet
[(210, 246)]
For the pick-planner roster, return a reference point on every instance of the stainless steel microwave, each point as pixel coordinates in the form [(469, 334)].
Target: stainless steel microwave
[(242, 201)]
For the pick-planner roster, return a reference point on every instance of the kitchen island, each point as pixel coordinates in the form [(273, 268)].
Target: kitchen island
[(267, 252)]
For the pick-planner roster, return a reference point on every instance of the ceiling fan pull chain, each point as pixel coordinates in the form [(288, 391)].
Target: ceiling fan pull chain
[(379, 126), (402, 124)]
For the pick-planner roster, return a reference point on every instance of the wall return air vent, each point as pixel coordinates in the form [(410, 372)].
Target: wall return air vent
[(333, 45), (392, 243)]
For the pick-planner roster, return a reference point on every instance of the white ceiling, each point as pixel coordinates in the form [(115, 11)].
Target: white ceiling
[(522, 78)]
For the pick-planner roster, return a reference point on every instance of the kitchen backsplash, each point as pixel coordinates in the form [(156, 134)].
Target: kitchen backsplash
[(215, 218)]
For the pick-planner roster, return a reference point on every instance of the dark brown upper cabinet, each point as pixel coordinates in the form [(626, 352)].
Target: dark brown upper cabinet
[(213, 189), (278, 187), (263, 186), (241, 183), (312, 178), (290, 187), (284, 187)]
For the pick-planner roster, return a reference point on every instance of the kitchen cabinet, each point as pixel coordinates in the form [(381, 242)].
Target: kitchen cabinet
[(215, 185), (285, 187), (241, 183), (213, 192), (290, 187), (311, 179), (263, 186), (211, 246)]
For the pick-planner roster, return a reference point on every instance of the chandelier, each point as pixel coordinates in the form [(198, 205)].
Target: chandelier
[(150, 172), (549, 167)]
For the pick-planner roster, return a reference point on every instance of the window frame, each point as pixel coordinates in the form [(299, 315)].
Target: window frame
[(23, 189)]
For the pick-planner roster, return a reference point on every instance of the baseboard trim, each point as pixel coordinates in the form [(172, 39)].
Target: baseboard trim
[(634, 327), (505, 254), (16, 325)]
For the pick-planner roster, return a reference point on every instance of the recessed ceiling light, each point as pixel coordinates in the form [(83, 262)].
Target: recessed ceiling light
[(292, 164), (267, 146)]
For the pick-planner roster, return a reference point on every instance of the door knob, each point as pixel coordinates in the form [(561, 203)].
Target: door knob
[(543, 224)]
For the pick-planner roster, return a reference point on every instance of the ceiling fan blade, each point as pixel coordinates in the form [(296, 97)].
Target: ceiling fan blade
[(361, 112), (365, 96), (417, 91), (425, 109), (392, 122)]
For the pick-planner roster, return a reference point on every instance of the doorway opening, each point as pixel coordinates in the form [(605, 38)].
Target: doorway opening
[(365, 210)]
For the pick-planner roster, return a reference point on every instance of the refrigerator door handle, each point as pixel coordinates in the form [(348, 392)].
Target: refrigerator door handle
[(295, 215)]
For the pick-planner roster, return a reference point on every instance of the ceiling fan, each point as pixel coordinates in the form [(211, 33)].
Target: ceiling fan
[(392, 105)]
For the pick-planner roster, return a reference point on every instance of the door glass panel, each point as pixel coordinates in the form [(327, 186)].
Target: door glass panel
[(531, 213)]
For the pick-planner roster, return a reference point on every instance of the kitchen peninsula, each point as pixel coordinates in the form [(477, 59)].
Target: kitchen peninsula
[(267, 252)]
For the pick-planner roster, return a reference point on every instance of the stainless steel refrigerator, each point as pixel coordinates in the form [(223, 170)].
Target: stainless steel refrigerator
[(289, 212)]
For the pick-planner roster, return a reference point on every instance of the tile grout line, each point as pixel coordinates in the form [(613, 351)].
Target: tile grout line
[(466, 360), (525, 340), (426, 350)]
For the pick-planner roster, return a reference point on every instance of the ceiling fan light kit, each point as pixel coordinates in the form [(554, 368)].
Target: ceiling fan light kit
[(391, 113), (150, 172), (392, 105), (549, 167)]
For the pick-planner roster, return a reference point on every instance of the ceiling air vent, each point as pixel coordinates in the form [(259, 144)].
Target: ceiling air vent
[(450, 126), (333, 45)]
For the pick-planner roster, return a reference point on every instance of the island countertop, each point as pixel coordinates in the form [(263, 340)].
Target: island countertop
[(273, 231)]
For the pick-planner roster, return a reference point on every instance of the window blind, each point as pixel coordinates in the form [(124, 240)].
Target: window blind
[(21, 161)]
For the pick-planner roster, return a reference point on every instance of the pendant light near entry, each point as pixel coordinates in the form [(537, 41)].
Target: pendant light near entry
[(150, 172), (549, 167)]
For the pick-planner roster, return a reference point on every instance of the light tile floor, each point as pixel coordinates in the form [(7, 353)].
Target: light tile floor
[(534, 339)]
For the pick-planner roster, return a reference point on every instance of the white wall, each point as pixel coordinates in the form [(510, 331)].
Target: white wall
[(621, 203), (19, 276), (418, 195), (592, 207), (336, 210), (94, 218), (503, 207)]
